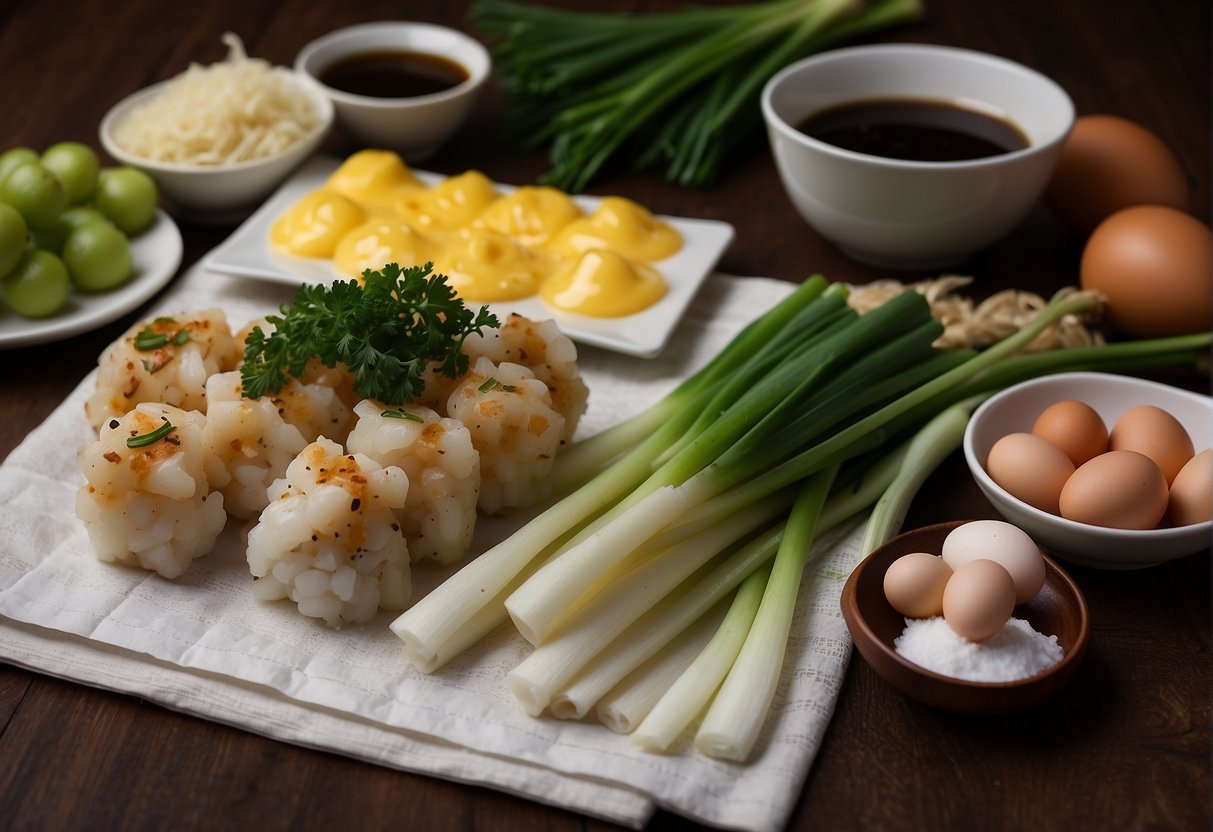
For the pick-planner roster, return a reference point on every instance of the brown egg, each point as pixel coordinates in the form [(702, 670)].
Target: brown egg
[(1155, 267), (1030, 468), (1117, 490), (1154, 432), (1108, 163), (1192, 491), (1075, 427), (978, 599), (913, 584), (1007, 545)]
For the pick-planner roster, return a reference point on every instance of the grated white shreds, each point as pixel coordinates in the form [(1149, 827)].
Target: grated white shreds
[(238, 110), (979, 325), (1017, 652)]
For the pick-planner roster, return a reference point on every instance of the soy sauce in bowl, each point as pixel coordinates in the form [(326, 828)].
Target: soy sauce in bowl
[(912, 129), (393, 73)]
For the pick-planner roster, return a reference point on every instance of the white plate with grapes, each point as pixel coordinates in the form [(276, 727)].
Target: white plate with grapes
[(155, 256)]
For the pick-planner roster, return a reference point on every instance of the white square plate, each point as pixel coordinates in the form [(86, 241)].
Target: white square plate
[(248, 252)]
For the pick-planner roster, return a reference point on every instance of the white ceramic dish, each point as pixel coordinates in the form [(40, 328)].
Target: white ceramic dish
[(1016, 409), (248, 252), (414, 126), (155, 256), (903, 214), (220, 192)]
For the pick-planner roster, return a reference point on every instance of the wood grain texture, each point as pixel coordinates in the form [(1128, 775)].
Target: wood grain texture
[(1126, 745)]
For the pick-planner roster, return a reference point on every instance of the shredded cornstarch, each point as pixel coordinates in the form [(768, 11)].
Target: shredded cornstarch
[(238, 110), (1017, 652), (979, 325)]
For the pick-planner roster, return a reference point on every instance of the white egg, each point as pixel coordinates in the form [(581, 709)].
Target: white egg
[(1003, 543)]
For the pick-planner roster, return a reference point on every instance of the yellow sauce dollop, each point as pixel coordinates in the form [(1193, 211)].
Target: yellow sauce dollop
[(380, 241), (316, 223), (534, 241), (376, 178), (450, 205), (531, 214), (604, 284), (489, 266), (620, 225)]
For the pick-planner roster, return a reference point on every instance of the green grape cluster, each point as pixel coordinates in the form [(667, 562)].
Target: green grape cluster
[(66, 223)]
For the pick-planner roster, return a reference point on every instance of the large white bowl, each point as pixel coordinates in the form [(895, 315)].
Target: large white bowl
[(415, 127), (904, 214), (1015, 410), (219, 192)]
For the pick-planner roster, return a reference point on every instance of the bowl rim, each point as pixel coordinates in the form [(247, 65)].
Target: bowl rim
[(775, 121), (305, 143), (1070, 659), (477, 75), (979, 473)]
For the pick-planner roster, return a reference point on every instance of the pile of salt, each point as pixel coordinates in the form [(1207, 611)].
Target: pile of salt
[(1016, 652)]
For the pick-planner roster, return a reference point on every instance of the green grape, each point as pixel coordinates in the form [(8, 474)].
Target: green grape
[(38, 286), (48, 239), (128, 197), (98, 257), (35, 192), (76, 166), (55, 235), (15, 156), (13, 233)]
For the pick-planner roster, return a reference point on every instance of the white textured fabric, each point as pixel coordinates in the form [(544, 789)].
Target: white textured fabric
[(203, 645)]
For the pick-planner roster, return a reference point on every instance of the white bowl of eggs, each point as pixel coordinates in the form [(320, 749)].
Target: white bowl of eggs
[(1101, 470)]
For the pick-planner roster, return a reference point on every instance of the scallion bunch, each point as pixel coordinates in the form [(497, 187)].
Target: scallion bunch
[(811, 414), (674, 90)]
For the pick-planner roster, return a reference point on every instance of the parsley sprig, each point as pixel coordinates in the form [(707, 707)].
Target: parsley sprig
[(386, 330)]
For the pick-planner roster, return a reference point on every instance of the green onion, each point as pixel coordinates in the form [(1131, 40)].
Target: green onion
[(924, 453), (536, 680), (148, 340), (675, 90), (145, 439), (492, 383), (401, 414), (154, 366), (630, 702), (687, 696), (674, 509), (732, 723)]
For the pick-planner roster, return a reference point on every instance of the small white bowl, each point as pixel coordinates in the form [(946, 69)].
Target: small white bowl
[(218, 192), (415, 127), (903, 214), (1016, 408)]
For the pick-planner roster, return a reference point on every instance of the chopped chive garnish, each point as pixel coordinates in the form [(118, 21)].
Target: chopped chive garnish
[(401, 414), (165, 319), (153, 366), (145, 439), (491, 383), (150, 340)]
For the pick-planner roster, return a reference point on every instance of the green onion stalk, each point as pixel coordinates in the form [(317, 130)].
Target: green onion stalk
[(811, 414), (677, 90)]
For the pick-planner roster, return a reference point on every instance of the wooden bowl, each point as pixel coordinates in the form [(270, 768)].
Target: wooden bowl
[(1058, 609)]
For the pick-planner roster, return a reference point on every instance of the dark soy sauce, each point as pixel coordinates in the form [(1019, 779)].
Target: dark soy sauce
[(919, 130), (393, 73)]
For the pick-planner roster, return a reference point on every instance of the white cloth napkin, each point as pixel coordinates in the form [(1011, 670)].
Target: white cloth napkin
[(203, 645)]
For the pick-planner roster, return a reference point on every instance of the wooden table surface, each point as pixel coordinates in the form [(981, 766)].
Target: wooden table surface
[(1126, 745)]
